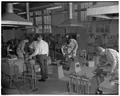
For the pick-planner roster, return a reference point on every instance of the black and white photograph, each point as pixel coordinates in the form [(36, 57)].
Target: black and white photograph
[(59, 47)]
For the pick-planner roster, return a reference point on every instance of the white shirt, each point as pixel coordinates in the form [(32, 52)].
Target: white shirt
[(112, 58), (42, 48), (74, 46)]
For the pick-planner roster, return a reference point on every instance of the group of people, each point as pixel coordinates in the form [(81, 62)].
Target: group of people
[(111, 56), (40, 50)]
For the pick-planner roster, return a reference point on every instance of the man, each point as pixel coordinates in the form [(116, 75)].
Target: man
[(20, 48), (34, 42), (41, 53), (112, 58), (72, 47)]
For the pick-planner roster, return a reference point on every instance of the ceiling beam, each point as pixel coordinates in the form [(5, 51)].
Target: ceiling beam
[(103, 10), (18, 3), (27, 11), (105, 17)]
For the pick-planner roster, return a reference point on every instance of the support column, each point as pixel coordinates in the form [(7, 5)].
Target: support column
[(27, 10), (71, 14), (9, 8), (71, 11)]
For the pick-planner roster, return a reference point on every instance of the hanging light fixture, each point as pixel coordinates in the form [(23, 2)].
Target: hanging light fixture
[(9, 18)]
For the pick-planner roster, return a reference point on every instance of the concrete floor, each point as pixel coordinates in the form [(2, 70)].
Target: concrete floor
[(52, 86)]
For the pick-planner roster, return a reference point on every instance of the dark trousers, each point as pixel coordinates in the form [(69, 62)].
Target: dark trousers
[(42, 61)]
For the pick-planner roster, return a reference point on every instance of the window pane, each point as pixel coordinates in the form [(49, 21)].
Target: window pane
[(39, 30), (47, 28), (47, 19), (31, 13), (31, 19), (38, 20)]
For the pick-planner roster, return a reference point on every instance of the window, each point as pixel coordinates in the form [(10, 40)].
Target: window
[(47, 22), (47, 28), (46, 19), (31, 14), (31, 19), (38, 20)]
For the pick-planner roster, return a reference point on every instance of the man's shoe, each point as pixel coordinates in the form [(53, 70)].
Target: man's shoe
[(42, 80)]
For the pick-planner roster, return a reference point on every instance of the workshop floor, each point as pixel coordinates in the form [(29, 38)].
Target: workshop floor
[(52, 86)]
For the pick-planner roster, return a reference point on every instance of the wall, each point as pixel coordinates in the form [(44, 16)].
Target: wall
[(82, 36), (56, 20), (114, 27), (12, 34), (8, 35)]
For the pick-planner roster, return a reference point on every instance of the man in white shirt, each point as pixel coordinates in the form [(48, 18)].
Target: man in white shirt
[(41, 53)]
